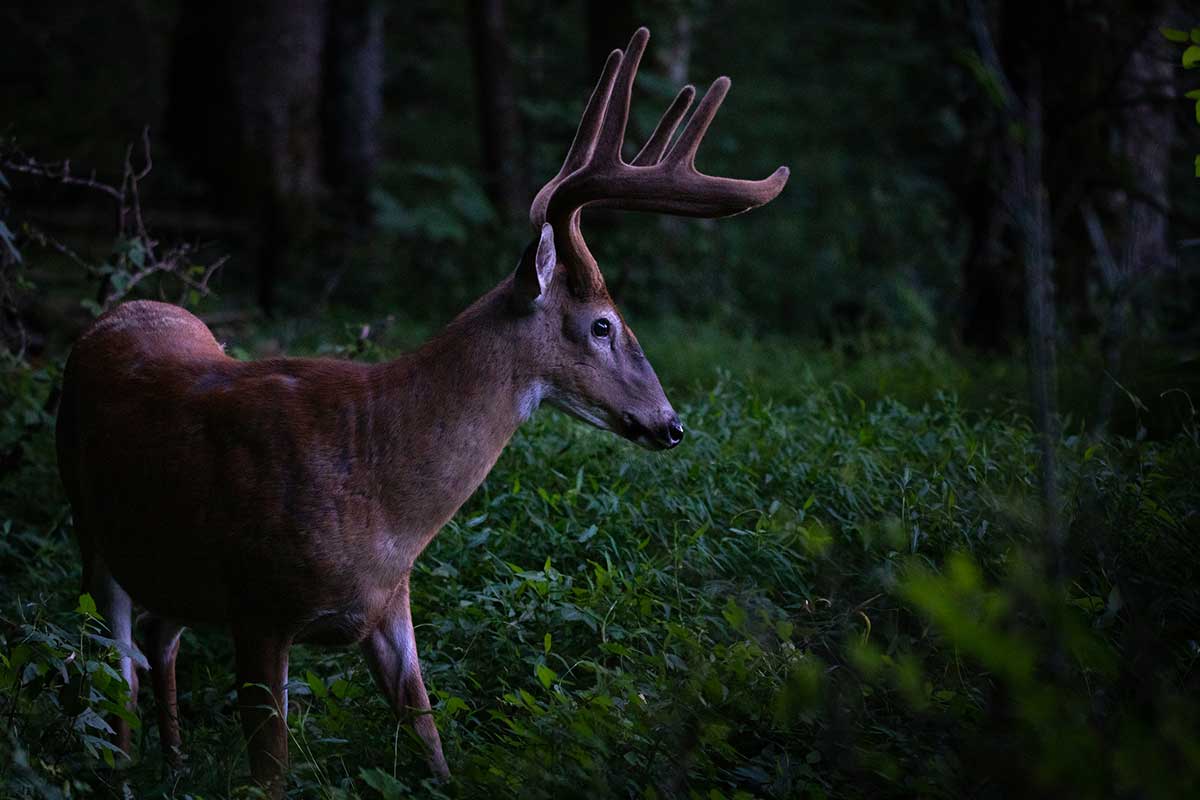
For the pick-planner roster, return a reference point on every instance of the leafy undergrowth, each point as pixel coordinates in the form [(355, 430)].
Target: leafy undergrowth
[(815, 596)]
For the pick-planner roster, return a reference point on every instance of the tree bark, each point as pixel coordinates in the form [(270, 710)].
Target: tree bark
[(276, 71), (1141, 143), (499, 125), (1031, 208), (1145, 131), (990, 269), (353, 104), (246, 111), (1028, 208)]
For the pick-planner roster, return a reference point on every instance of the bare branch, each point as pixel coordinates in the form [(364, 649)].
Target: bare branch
[(131, 227), (61, 174)]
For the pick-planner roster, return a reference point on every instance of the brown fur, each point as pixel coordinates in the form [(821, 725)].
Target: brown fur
[(287, 499)]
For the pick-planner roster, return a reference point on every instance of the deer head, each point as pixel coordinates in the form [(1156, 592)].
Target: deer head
[(593, 367)]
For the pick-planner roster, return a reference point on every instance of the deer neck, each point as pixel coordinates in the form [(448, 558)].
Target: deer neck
[(446, 412)]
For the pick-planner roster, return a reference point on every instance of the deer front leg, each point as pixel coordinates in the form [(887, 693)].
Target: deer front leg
[(161, 645), (262, 665), (391, 653)]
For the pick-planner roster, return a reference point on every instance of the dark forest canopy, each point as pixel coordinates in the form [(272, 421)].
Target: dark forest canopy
[(428, 124)]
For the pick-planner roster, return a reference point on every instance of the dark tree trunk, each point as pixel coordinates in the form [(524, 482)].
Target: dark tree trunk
[(499, 125), (1144, 131), (1027, 205), (200, 124), (991, 270), (991, 277), (1030, 206), (276, 73), (1089, 127), (610, 23), (245, 112), (353, 104)]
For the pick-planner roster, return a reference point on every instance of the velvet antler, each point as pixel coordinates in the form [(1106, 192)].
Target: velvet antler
[(658, 179)]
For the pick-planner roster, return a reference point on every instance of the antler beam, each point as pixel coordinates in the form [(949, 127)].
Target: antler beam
[(661, 178)]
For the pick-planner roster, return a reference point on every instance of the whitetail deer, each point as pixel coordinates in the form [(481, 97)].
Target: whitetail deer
[(287, 499)]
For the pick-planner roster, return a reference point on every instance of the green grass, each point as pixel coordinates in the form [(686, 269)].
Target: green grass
[(835, 588)]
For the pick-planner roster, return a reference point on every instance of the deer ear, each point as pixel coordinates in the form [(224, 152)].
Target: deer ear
[(535, 271)]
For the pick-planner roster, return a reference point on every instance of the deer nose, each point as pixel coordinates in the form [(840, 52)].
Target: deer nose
[(674, 431)]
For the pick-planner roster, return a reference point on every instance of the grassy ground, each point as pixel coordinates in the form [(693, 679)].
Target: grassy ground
[(835, 588)]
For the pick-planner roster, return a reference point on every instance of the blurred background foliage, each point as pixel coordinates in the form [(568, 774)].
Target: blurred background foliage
[(842, 586), (408, 192)]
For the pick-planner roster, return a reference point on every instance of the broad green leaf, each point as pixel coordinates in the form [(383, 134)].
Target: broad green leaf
[(87, 606), (385, 784), (453, 705), (546, 675), (1174, 34), (1191, 56)]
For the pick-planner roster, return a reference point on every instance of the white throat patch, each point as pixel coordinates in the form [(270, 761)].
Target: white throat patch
[(528, 402)]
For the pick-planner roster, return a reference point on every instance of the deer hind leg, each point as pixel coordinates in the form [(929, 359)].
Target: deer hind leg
[(391, 654), (262, 666), (160, 638), (114, 605)]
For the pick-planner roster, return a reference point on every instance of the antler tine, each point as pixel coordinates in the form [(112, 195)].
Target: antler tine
[(673, 185), (652, 151), (595, 174), (612, 132), (584, 143), (683, 154)]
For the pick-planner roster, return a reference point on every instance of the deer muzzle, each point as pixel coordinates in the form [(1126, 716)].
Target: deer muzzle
[(663, 432)]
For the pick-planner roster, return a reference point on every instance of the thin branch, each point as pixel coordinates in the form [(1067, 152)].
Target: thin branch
[(43, 240), (62, 175)]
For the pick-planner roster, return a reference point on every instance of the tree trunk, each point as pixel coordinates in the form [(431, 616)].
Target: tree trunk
[(1028, 209), (353, 104), (245, 112), (609, 25), (499, 126), (1144, 132), (275, 66), (1031, 208), (991, 274)]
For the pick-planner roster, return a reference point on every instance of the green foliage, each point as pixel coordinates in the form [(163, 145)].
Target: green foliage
[(59, 683), (825, 592)]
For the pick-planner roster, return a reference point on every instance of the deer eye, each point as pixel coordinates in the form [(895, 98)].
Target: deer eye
[(601, 328)]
